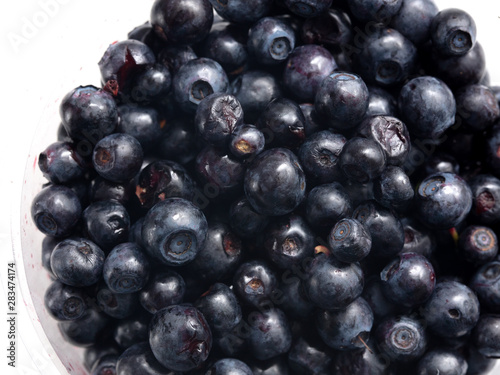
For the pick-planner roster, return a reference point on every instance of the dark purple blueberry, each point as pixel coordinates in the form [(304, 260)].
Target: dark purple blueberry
[(274, 366), (163, 179), (380, 103), (229, 366), (401, 338), (452, 310), (319, 155), (93, 353), (175, 56), (180, 337), (486, 335), (309, 357), (349, 241), (332, 28), (196, 80), (327, 204), (152, 84), (441, 162), (453, 32), (182, 21), (217, 118), (116, 305), (77, 262), (138, 359), (360, 362), (117, 157), (418, 239), (107, 223), (221, 309), (126, 268), (244, 220), (246, 142), (414, 20), (362, 159), (85, 331), (308, 8), (478, 244), (342, 98), (443, 200), (373, 295), (56, 210), (305, 69), (288, 241), (331, 284), (270, 41), (241, 11), (270, 333), (254, 283), (478, 364), (106, 365), (493, 149), (486, 284), (129, 331), (178, 144), (292, 299), (385, 229), (174, 231), (393, 188), (102, 190), (61, 163), (163, 289), (374, 10), (443, 362), (48, 245), (142, 123), (408, 280), (313, 124), (275, 182), (477, 107), (64, 302)]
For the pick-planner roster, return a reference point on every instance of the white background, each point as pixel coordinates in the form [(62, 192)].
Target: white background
[(42, 48)]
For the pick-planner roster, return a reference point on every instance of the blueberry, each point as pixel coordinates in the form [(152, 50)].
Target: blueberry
[(377, 10), (443, 362), (152, 84), (477, 107), (244, 220), (309, 357), (477, 363), (175, 56), (255, 282), (229, 366), (86, 330), (333, 28), (362, 159), (478, 244), (116, 305), (131, 330), (418, 239), (246, 142), (349, 241), (180, 337), (77, 262), (452, 310), (380, 103), (242, 12), (453, 32), (486, 335), (270, 333), (274, 366), (313, 124), (182, 22), (346, 329), (64, 302), (163, 289), (443, 200), (393, 188), (138, 359), (380, 305), (178, 144), (275, 182), (56, 210), (105, 365), (492, 144), (174, 231), (485, 283), (93, 353), (61, 163), (117, 157), (414, 19), (293, 300), (327, 204), (270, 41)]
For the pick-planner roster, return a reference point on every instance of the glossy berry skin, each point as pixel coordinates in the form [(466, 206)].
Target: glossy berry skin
[(437, 99), (221, 309), (131, 330), (270, 333), (196, 80), (452, 310), (246, 142), (240, 11), (274, 366), (77, 262), (414, 19), (442, 361), (151, 84), (418, 239), (349, 241), (64, 302), (254, 282), (138, 359), (401, 338), (477, 107), (141, 122), (319, 155), (326, 204), (107, 223), (85, 331), (309, 357), (443, 200), (342, 98), (254, 90), (478, 244), (126, 268), (61, 163), (378, 10), (117, 157), (391, 134), (175, 56), (313, 124), (486, 335), (182, 22), (56, 210), (163, 289), (164, 179), (408, 280), (244, 220), (217, 117), (453, 32), (116, 305), (288, 240), (333, 28), (275, 182), (270, 41), (348, 328), (477, 363), (331, 284), (180, 337), (393, 188), (174, 231), (362, 159), (385, 229), (485, 283), (178, 144), (387, 58), (380, 102), (305, 69), (229, 366)]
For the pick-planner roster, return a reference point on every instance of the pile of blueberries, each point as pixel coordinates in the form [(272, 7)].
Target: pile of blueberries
[(280, 187)]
